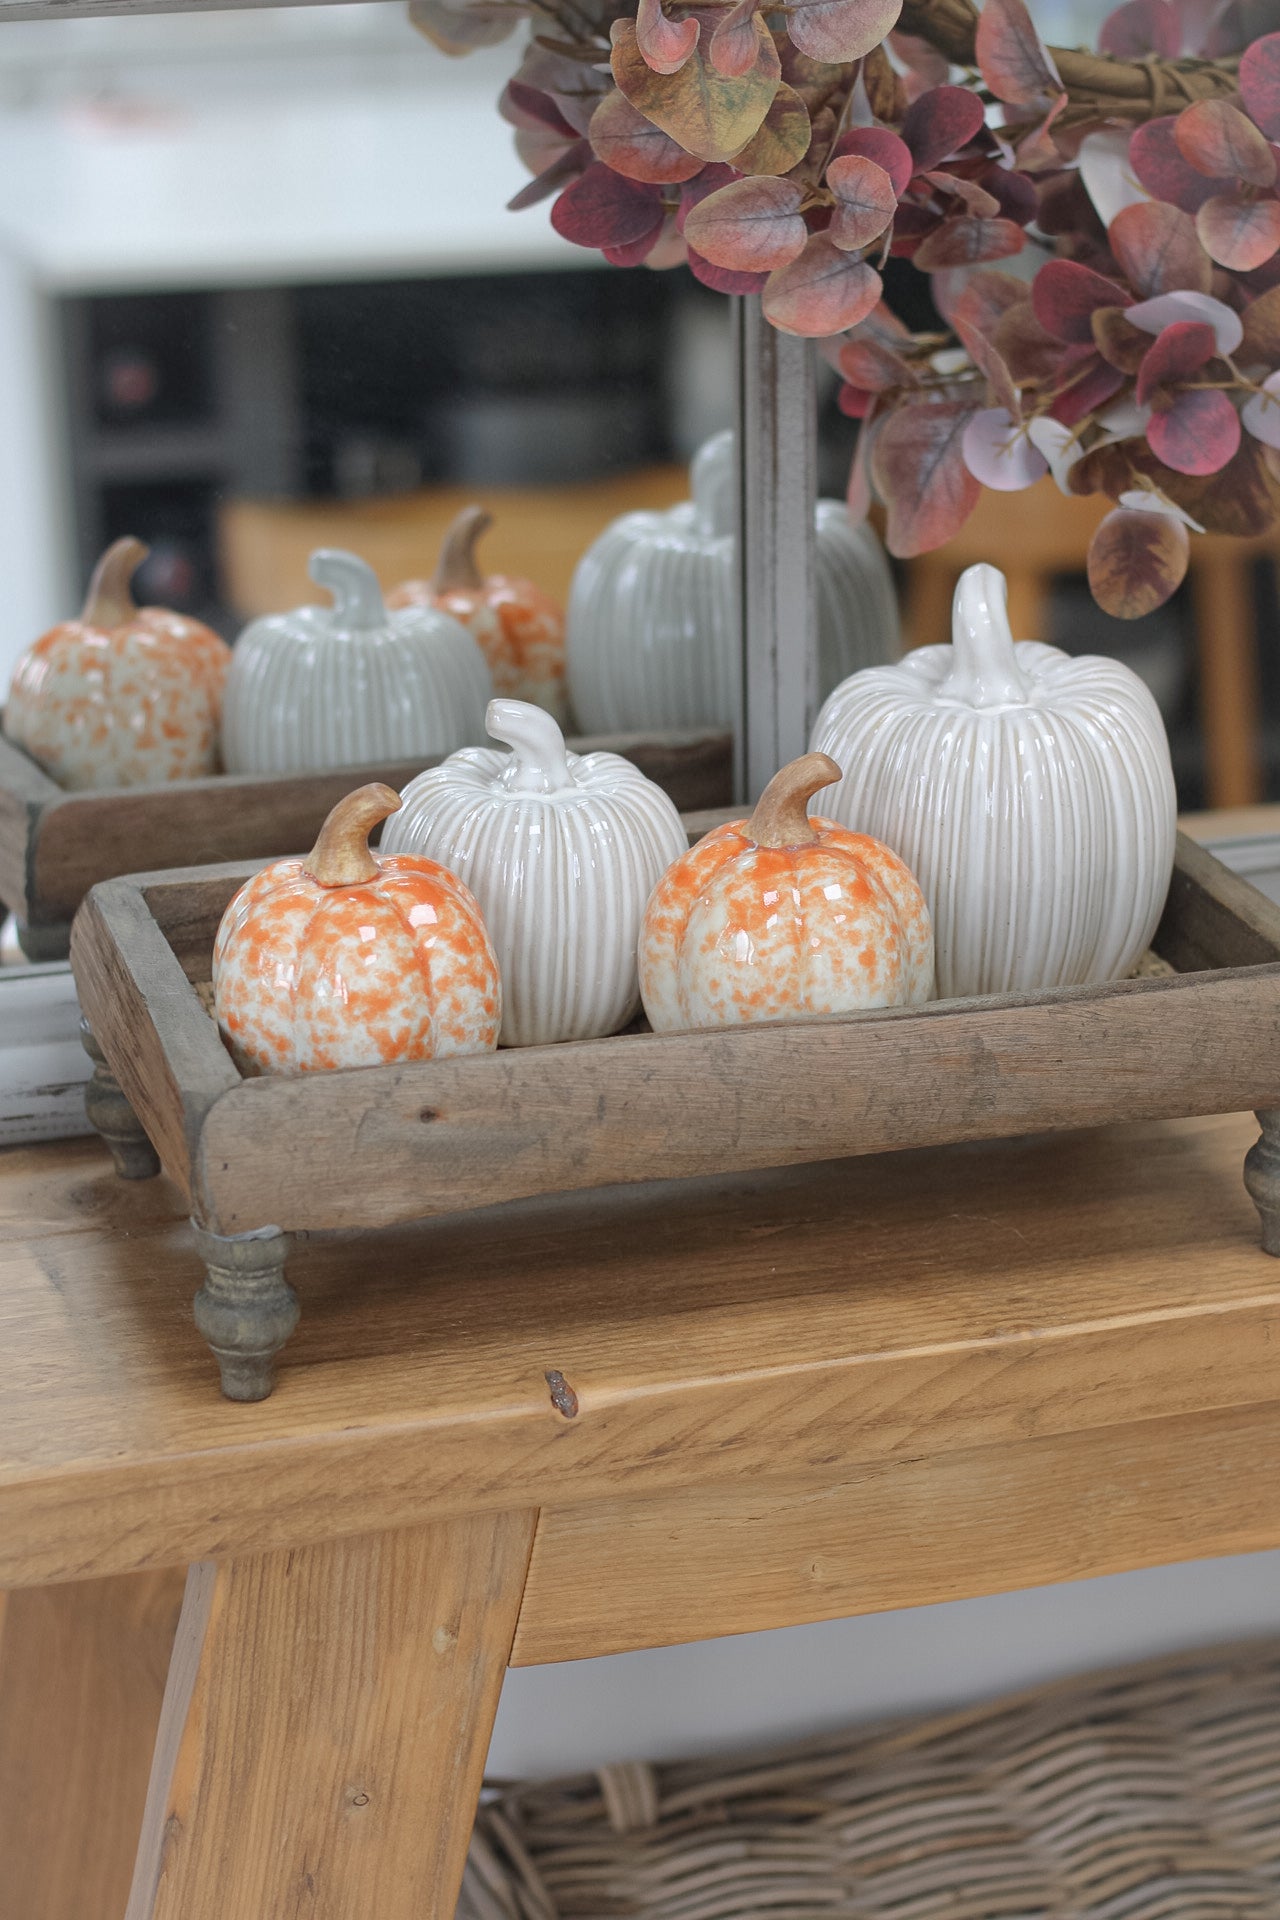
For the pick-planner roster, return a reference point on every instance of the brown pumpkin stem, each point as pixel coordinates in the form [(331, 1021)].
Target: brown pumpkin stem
[(341, 856), (456, 570), (109, 602), (781, 818)]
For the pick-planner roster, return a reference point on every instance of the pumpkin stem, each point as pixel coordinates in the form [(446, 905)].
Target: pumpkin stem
[(781, 818), (539, 762), (985, 670), (357, 598), (457, 570), (341, 856), (713, 482), (109, 603)]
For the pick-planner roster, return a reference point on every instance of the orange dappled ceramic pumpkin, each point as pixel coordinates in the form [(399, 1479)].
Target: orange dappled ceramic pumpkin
[(518, 627), (779, 916), (347, 960), (124, 695)]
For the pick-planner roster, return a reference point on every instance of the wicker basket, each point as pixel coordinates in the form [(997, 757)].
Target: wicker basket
[(1152, 1793)]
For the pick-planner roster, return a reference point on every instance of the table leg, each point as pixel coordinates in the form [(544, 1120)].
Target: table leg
[(1262, 1178), (111, 1115), (325, 1727), (82, 1676)]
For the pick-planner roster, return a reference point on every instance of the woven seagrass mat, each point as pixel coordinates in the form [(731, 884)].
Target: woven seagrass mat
[(1150, 1793)]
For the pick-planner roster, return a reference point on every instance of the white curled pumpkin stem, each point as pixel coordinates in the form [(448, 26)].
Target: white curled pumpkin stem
[(985, 670), (781, 817), (357, 597), (341, 856), (109, 602), (539, 759)]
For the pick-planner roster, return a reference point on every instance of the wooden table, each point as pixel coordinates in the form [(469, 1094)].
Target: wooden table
[(559, 1429)]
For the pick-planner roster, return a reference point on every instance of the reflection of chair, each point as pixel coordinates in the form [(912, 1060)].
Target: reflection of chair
[(1034, 535), (538, 531)]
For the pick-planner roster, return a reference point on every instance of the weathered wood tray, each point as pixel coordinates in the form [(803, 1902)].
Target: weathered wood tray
[(55, 845), (262, 1158)]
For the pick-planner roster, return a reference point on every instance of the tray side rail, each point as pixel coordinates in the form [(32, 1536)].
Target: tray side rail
[(1213, 918)]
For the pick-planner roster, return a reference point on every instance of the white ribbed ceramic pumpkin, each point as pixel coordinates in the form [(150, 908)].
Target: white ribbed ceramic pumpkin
[(652, 636), (1029, 792), (351, 684), (562, 851)]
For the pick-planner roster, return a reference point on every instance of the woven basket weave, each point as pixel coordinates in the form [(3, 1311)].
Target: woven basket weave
[(1152, 1793)]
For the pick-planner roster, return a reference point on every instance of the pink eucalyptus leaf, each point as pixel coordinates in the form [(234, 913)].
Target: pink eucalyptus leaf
[(1177, 352), (632, 145), (980, 299), (604, 209), (567, 166), (838, 31), (1011, 56), (1239, 234), (733, 44), (460, 26), (1014, 194), (1159, 166), (865, 201), (1158, 250), (1088, 391), (993, 367), (882, 146), (976, 199), (1153, 316), (707, 114), (1223, 144), (967, 240), (1038, 151), (782, 139), (1137, 560), (1260, 83), (919, 469), (709, 181), (875, 368), (823, 291), (665, 44), (855, 402), (1261, 412), (1199, 434), (750, 226), (1142, 27), (1065, 295), (859, 493), (921, 59), (525, 106), (940, 123), (636, 252), (998, 452), (724, 279)]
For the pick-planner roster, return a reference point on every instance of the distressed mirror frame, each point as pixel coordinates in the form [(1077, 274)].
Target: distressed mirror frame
[(42, 1065)]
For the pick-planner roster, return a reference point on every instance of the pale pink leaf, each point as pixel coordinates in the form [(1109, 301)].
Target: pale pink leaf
[(998, 452), (733, 48), (1222, 143), (1239, 234), (865, 201), (750, 226), (665, 44), (823, 291), (1261, 412), (1153, 316), (838, 31), (1012, 58), (1260, 83)]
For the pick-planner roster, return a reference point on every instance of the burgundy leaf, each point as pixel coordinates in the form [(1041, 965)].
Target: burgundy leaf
[(1156, 160), (865, 201), (1011, 56), (854, 401), (1064, 295), (1037, 151), (1140, 28), (1013, 192), (632, 145), (875, 368), (665, 44), (603, 209), (1198, 434), (840, 30), (921, 58), (635, 252), (1219, 141), (1137, 559), (1260, 83), (570, 163), (1157, 249), (961, 242), (919, 468), (1261, 341), (1240, 234), (724, 279), (910, 225), (994, 369), (885, 148), (822, 292), (980, 300), (976, 199), (1086, 393), (940, 123), (526, 106), (1178, 351), (750, 226), (710, 180), (1031, 353), (1120, 343), (733, 46)]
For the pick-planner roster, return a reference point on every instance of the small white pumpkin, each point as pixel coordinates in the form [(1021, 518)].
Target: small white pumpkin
[(652, 634), (352, 684), (1029, 792), (562, 851)]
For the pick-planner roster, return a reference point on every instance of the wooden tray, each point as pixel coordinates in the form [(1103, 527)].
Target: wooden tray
[(261, 1158), (55, 845)]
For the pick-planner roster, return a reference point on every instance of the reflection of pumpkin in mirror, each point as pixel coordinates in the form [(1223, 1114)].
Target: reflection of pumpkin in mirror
[(124, 695), (346, 959), (779, 916), (518, 627)]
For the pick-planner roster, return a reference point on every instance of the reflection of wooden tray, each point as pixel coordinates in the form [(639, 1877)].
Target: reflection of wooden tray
[(55, 845), (367, 1148)]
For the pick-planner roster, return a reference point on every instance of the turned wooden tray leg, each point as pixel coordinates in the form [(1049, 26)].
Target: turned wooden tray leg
[(111, 1115), (246, 1309), (325, 1727), (1262, 1177)]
